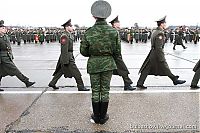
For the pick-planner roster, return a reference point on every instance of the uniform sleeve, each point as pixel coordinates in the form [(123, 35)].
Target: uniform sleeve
[(65, 58), (159, 42), (84, 48), (117, 48)]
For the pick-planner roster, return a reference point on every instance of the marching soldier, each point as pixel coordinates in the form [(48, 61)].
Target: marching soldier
[(24, 36), (100, 43), (196, 36), (47, 37), (7, 66), (187, 35), (171, 35), (13, 37), (145, 35), (32, 35), (196, 77), (29, 37), (41, 36), (121, 70), (18, 36), (178, 39), (66, 63), (155, 63), (136, 35)]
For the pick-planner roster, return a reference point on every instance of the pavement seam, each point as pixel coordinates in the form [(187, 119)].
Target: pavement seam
[(26, 112)]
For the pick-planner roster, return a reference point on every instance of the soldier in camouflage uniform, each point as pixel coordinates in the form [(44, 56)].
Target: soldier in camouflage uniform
[(155, 63), (66, 63), (121, 70), (7, 66), (100, 43)]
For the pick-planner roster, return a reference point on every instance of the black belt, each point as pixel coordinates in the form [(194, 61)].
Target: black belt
[(70, 50)]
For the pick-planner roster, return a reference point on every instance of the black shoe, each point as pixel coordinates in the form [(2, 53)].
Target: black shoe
[(1, 90), (141, 86), (194, 87), (54, 87), (185, 47), (28, 84), (177, 76), (179, 82), (174, 49), (83, 89), (129, 88)]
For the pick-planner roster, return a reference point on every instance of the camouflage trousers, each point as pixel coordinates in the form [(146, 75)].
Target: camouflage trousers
[(100, 84)]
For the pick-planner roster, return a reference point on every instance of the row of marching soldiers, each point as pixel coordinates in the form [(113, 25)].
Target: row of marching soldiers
[(143, 35), (186, 34), (39, 35), (139, 35)]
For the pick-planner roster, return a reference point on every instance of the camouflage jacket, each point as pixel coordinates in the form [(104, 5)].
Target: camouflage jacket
[(100, 43)]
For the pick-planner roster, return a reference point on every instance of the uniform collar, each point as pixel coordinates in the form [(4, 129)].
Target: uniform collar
[(1, 34), (158, 28), (101, 22)]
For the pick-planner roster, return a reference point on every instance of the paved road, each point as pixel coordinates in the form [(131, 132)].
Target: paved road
[(161, 108)]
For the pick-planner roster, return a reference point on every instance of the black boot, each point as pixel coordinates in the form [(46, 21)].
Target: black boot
[(53, 86), (103, 112), (96, 112), (128, 88), (0, 84), (0, 80), (82, 88), (176, 81), (141, 87), (193, 87), (28, 83)]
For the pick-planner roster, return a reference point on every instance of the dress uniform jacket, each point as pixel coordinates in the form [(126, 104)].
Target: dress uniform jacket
[(178, 38), (66, 60), (156, 58), (6, 58), (197, 66), (121, 70)]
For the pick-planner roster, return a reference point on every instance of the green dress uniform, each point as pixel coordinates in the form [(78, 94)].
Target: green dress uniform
[(196, 77), (155, 63), (178, 39), (121, 70), (66, 64), (7, 66)]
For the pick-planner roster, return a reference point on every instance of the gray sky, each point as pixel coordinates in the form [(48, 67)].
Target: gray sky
[(56, 12)]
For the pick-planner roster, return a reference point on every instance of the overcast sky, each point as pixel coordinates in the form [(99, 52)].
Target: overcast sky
[(56, 12)]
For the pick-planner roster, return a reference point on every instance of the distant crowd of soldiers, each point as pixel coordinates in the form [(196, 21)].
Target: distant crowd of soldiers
[(40, 35), (137, 35), (140, 35)]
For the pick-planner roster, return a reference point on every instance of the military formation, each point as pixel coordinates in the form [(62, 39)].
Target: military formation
[(40, 35), (177, 36), (102, 44)]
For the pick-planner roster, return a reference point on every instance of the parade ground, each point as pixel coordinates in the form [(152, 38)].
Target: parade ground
[(162, 107)]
